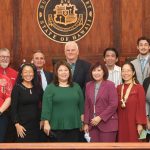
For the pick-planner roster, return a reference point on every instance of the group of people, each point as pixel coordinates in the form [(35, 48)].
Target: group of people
[(103, 101)]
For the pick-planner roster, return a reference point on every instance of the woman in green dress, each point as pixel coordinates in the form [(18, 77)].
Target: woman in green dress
[(62, 106)]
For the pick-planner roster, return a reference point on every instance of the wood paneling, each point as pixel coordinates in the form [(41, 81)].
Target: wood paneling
[(6, 24), (118, 23), (131, 25), (146, 18)]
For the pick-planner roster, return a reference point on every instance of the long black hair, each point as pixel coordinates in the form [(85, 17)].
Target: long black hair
[(34, 81)]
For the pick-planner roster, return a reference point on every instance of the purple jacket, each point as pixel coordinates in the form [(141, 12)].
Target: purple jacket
[(106, 105)]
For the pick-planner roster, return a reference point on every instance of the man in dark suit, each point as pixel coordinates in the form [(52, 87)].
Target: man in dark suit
[(39, 61), (80, 69), (45, 78)]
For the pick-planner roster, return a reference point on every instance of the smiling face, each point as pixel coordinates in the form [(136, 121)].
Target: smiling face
[(71, 51), (63, 73), (39, 60), (27, 74), (110, 58), (127, 73), (4, 58), (143, 47), (98, 74)]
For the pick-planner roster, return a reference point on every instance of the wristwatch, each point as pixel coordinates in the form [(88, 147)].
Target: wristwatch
[(0, 113)]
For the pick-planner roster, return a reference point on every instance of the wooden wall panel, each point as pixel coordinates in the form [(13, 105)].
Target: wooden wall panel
[(92, 45), (146, 18), (131, 22), (117, 23), (6, 24)]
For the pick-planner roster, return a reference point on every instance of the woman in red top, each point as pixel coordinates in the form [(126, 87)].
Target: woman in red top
[(5, 91), (131, 109)]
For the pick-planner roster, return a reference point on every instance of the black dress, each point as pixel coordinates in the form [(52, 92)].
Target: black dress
[(25, 110)]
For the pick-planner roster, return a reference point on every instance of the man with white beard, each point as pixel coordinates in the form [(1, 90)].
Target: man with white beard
[(4, 65), (11, 74)]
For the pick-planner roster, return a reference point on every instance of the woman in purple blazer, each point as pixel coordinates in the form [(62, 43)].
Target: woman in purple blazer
[(100, 117)]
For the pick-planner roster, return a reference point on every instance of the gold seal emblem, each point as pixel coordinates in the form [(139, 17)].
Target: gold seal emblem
[(65, 20)]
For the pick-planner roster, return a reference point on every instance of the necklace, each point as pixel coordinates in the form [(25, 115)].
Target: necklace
[(126, 95), (30, 91)]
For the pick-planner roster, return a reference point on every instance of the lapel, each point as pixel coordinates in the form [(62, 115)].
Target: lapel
[(92, 92), (46, 76), (76, 72), (100, 91), (147, 66)]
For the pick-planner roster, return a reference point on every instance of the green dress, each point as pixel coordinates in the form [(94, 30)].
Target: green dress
[(63, 106)]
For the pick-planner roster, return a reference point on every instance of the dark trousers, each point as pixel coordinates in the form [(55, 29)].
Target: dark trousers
[(148, 138), (66, 135), (3, 127)]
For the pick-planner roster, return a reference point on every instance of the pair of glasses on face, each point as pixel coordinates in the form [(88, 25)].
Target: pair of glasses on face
[(4, 57)]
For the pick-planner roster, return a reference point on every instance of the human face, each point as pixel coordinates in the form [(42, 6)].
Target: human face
[(38, 60), (27, 74), (4, 59), (143, 47), (71, 52), (63, 73), (127, 73), (110, 58), (98, 74)]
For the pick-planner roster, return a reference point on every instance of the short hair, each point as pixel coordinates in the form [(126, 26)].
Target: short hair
[(111, 49), (4, 49), (103, 67), (133, 69), (143, 38), (38, 51), (19, 79), (56, 67), (72, 43)]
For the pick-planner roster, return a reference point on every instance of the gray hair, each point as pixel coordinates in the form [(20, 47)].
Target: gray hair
[(72, 43)]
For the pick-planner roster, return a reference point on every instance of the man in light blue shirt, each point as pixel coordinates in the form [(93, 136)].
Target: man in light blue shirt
[(142, 62)]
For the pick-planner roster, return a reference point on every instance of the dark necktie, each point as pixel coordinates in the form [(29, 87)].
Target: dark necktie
[(39, 77)]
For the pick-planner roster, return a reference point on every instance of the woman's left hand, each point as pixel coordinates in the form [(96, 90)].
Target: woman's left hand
[(139, 128), (96, 120)]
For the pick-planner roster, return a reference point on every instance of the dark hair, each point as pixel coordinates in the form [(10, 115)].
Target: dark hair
[(56, 67), (104, 68), (143, 38), (111, 49), (35, 81), (133, 69)]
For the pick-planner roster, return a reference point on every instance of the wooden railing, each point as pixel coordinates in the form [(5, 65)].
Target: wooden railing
[(75, 146)]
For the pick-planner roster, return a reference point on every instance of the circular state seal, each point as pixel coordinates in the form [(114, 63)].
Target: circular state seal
[(65, 20)]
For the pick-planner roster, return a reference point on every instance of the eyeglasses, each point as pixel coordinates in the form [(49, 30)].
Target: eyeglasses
[(4, 57)]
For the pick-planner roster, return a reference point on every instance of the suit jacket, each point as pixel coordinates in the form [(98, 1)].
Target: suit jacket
[(105, 105), (137, 65), (49, 76), (81, 73)]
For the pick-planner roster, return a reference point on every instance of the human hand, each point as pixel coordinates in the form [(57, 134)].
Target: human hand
[(47, 128), (20, 130), (96, 120), (139, 128), (86, 128)]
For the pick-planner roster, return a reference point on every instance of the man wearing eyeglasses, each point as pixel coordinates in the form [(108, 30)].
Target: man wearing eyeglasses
[(11, 74), (4, 65)]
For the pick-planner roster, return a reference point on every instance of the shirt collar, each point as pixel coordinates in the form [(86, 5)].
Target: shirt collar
[(116, 68)]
